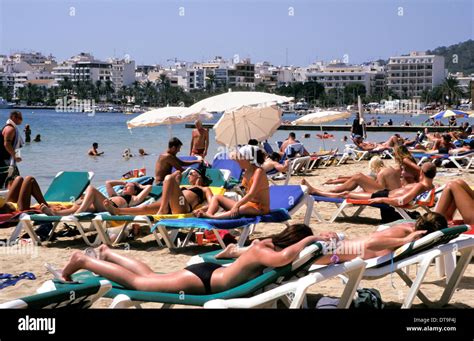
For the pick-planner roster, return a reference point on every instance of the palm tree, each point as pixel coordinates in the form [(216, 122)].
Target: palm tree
[(451, 90), (211, 81), (109, 89)]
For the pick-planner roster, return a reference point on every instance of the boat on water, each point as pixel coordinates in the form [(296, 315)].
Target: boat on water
[(5, 105)]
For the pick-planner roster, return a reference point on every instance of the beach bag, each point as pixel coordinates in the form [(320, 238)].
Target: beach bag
[(327, 303), (367, 299)]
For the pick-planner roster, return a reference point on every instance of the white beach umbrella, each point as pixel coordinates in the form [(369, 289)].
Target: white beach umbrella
[(245, 123), (231, 101), (321, 117), (166, 115), (318, 118)]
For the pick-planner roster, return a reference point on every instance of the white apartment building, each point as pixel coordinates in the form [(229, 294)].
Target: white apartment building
[(464, 81), (83, 67), (338, 75), (31, 57), (409, 76), (123, 72)]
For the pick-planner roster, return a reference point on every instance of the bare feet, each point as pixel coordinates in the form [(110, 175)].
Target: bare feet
[(203, 214), (109, 207), (75, 263), (304, 182), (228, 252), (47, 210)]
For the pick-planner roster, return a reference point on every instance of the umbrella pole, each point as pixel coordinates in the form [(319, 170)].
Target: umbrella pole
[(324, 143), (169, 132), (235, 131)]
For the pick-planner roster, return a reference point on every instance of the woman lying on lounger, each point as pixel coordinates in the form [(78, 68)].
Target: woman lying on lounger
[(375, 166), (457, 195), (175, 199), (202, 278), (256, 200), (93, 201), (386, 178), (20, 193)]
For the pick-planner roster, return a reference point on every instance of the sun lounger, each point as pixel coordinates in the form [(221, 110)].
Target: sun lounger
[(65, 188), (124, 298), (284, 201), (425, 200), (222, 161), (421, 252), (75, 296)]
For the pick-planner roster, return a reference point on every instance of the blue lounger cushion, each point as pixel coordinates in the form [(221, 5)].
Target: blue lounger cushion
[(326, 199), (286, 197), (275, 216)]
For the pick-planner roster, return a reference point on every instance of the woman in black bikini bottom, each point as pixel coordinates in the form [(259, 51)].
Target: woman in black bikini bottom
[(203, 278)]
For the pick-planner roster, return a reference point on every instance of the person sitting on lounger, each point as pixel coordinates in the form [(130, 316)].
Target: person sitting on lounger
[(257, 193), (93, 201), (20, 193), (175, 199), (410, 171), (396, 197), (168, 160), (386, 178), (201, 278), (443, 145), (289, 141), (457, 195), (272, 162)]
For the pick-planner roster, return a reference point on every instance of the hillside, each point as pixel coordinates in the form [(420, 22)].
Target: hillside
[(465, 56)]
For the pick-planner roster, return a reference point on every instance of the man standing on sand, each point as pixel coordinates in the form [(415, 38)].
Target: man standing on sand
[(168, 160), (11, 141), (199, 140)]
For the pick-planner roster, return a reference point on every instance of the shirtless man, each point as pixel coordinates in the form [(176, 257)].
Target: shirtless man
[(93, 151), (168, 160), (290, 140), (396, 197), (199, 140), (401, 196), (272, 163)]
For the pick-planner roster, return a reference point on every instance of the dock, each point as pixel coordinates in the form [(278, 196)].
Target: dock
[(348, 128)]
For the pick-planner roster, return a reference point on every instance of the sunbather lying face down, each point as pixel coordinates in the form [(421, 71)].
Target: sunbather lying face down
[(275, 251), (393, 141), (93, 201), (457, 195), (383, 242), (257, 193), (175, 199)]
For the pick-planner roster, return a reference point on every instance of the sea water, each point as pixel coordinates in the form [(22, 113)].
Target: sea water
[(67, 137)]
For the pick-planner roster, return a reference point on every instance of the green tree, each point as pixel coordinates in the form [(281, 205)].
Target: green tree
[(452, 92)]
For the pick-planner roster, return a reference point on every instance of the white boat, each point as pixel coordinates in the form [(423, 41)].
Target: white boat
[(4, 104)]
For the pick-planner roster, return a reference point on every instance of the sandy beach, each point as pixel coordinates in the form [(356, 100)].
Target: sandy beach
[(145, 248)]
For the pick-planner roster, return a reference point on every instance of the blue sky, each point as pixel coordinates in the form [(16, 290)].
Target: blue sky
[(154, 31)]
